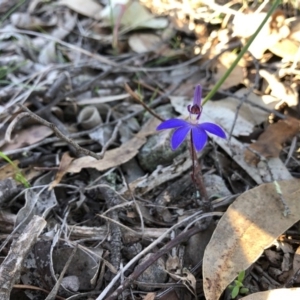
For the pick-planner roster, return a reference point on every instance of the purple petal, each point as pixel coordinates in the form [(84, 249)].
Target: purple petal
[(198, 95), (214, 129), (172, 123), (199, 138), (178, 136)]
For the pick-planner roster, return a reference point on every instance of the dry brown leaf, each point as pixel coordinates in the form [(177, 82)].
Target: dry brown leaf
[(279, 294), (243, 24), (288, 94), (9, 171), (273, 31), (150, 296), (173, 264), (135, 16), (27, 21), (88, 8), (144, 42), (187, 278), (269, 143), (99, 100), (285, 48), (28, 136), (118, 156), (250, 225), (295, 29), (63, 166), (111, 159), (190, 281)]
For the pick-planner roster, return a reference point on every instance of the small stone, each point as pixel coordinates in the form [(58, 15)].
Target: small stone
[(158, 151), (274, 272), (274, 257), (154, 274), (8, 187), (215, 186), (71, 283)]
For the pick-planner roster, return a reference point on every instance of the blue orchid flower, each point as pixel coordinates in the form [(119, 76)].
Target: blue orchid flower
[(198, 131)]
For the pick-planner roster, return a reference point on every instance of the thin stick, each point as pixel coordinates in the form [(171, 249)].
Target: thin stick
[(54, 291), (111, 140), (149, 87), (59, 133), (243, 100), (32, 287), (78, 134), (140, 101), (154, 257)]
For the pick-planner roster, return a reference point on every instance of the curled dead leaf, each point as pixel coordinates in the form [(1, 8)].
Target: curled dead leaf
[(250, 225), (88, 8), (144, 42), (285, 48), (28, 136), (274, 30), (117, 156), (269, 143), (63, 166), (112, 158), (150, 296), (27, 21), (279, 90)]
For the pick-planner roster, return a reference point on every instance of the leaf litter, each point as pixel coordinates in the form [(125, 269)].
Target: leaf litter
[(244, 231), (107, 192)]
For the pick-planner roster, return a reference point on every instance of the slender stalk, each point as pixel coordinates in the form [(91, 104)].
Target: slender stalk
[(197, 177)]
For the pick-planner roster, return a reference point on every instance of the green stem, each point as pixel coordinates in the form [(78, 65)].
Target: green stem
[(241, 54), (14, 8)]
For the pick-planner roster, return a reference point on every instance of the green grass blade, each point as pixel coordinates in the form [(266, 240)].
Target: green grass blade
[(19, 176), (241, 54)]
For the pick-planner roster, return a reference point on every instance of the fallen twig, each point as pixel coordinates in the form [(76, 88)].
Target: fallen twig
[(11, 267), (111, 140), (54, 128), (140, 101), (181, 237), (78, 134)]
